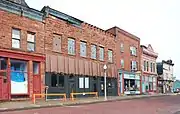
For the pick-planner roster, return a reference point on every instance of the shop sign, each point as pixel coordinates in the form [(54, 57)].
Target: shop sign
[(131, 76)]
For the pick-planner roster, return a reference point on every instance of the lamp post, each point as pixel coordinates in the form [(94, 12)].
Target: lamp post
[(105, 92)]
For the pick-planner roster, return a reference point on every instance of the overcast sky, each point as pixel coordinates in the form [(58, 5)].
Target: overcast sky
[(156, 22)]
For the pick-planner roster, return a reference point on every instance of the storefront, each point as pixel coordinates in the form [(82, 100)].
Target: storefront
[(130, 83), (20, 74), (149, 84)]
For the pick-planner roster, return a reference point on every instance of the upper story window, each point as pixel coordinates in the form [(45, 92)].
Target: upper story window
[(101, 53), (71, 46), (93, 51), (133, 50), (145, 65), (83, 49), (122, 47), (31, 42), (151, 66), (154, 67), (133, 65), (16, 37), (122, 63), (57, 43), (110, 56)]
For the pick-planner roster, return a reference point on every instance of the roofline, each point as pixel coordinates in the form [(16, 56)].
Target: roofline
[(163, 61), (126, 33)]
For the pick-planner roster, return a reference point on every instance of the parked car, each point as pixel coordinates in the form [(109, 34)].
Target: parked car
[(177, 90)]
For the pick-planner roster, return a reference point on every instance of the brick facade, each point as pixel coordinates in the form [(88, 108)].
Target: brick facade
[(86, 32), (9, 21)]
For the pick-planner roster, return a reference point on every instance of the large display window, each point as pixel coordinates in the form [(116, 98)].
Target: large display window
[(19, 77), (131, 85)]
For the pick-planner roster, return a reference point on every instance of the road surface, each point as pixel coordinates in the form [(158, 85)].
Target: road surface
[(157, 105)]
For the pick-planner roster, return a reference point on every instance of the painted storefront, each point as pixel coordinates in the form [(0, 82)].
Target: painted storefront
[(130, 83)]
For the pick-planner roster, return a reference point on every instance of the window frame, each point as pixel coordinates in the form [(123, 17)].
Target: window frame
[(151, 66), (73, 47), (101, 54), (30, 42), (134, 66), (147, 63), (83, 46), (133, 50), (145, 66), (38, 66), (54, 44), (93, 46), (110, 55), (122, 63), (122, 47), (57, 81), (16, 39)]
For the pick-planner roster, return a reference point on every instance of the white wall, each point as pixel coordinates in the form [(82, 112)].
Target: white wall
[(167, 71)]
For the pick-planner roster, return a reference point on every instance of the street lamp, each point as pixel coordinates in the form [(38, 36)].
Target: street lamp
[(105, 92)]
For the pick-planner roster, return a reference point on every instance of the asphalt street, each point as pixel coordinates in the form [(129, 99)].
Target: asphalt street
[(155, 105)]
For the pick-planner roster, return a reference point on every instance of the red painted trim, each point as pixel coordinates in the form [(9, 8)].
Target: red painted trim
[(28, 77), (19, 94), (21, 55), (9, 78)]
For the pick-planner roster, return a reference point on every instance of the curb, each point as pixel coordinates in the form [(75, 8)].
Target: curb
[(80, 103)]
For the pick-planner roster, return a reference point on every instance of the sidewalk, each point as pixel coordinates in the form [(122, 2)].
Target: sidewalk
[(25, 105)]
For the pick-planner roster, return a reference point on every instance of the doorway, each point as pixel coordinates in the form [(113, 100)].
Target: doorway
[(19, 77)]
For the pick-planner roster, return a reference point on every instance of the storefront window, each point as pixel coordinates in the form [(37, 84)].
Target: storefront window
[(57, 80), (131, 85), (154, 83), (150, 86), (19, 77), (3, 68)]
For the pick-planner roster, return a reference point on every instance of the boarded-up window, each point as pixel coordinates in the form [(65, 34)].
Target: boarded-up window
[(57, 43)]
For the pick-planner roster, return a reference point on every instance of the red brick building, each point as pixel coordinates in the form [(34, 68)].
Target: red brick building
[(75, 54), (21, 50), (128, 58)]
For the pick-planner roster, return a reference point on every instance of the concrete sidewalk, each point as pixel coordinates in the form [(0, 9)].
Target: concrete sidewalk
[(25, 105)]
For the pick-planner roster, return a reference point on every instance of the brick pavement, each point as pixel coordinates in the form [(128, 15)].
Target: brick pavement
[(21, 105), (151, 105)]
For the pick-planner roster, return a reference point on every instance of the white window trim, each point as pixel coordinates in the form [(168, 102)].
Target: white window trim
[(32, 35), (16, 38)]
